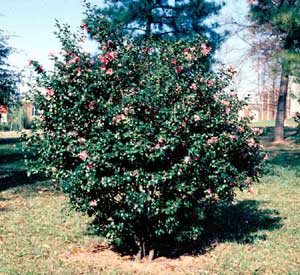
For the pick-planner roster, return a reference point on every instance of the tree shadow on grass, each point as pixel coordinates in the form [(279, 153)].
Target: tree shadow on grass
[(12, 168), (285, 158), (9, 140), (242, 223), (11, 179), (290, 134)]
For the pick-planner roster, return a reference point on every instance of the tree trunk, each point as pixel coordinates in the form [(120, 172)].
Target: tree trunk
[(148, 26), (141, 246), (149, 19), (281, 108)]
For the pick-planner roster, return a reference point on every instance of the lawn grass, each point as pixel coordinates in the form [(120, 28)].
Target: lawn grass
[(259, 234), (290, 122)]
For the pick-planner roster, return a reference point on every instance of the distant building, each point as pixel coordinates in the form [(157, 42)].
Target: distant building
[(265, 105), (3, 114), (293, 105), (29, 111)]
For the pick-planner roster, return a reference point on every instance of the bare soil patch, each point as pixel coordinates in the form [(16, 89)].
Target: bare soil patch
[(13, 134), (103, 259)]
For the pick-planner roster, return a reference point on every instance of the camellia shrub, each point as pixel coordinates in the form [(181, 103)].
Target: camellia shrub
[(141, 135)]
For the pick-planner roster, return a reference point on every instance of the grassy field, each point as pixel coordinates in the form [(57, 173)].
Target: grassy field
[(271, 123), (259, 234)]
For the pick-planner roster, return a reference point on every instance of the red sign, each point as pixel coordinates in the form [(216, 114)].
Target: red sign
[(3, 109)]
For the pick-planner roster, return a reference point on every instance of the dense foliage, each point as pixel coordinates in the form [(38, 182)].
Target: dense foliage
[(141, 135)]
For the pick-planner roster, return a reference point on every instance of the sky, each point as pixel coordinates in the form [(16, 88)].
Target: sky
[(30, 23)]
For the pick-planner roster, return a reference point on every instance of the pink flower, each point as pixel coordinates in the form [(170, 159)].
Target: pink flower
[(110, 71), (226, 102), (81, 140), (233, 137), (179, 69), (257, 131), (103, 59), (187, 160), (212, 140), (251, 142), (90, 166), (128, 110), (40, 68), (205, 50), (185, 51), (133, 173), (93, 203), (253, 2), (261, 146), (111, 56), (92, 61), (251, 190), (74, 60), (91, 104), (227, 110), (83, 155), (209, 191), (50, 92), (241, 129), (266, 157), (102, 68), (64, 53), (160, 140), (52, 54), (194, 86), (174, 61), (78, 69), (189, 57), (109, 43), (119, 118), (209, 83), (29, 62), (85, 27), (197, 118), (248, 181), (132, 91), (200, 78), (231, 71)]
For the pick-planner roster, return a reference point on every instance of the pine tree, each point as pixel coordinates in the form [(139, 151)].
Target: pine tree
[(8, 77), (161, 18), (279, 21)]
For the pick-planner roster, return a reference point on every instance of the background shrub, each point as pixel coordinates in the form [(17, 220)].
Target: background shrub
[(140, 135)]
